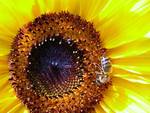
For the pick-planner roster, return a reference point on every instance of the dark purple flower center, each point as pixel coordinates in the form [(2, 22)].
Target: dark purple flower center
[(52, 63)]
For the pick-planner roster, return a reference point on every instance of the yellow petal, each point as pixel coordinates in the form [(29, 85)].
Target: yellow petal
[(91, 8), (141, 7), (114, 7), (19, 108), (72, 6), (4, 81), (134, 48), (99, 109), (5, 87), (7, 97), (131, 75), (13, 16), (144, 78), (88, 11), (36, 9), (3, 65), (3, 60), (127, 94), (139, 65), (139, 60), (106, 108), (118, 25), (112, 98), (7, 103), (135, 69), (4, 47), (8, 18)]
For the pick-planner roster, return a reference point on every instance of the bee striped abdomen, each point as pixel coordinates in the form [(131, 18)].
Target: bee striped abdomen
[(106, 64)]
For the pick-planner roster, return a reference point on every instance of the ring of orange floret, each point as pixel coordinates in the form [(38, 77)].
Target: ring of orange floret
[(81, 32)]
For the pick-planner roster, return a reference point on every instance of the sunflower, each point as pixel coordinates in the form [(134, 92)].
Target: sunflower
[(51, 50)]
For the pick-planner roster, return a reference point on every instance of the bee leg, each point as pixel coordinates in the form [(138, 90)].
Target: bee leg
[(97, 72), (97, 81)]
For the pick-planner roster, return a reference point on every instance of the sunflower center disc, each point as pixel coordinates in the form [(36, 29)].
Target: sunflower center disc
[(52, 64)]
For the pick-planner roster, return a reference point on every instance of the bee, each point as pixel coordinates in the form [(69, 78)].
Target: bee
[(105, 68)]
